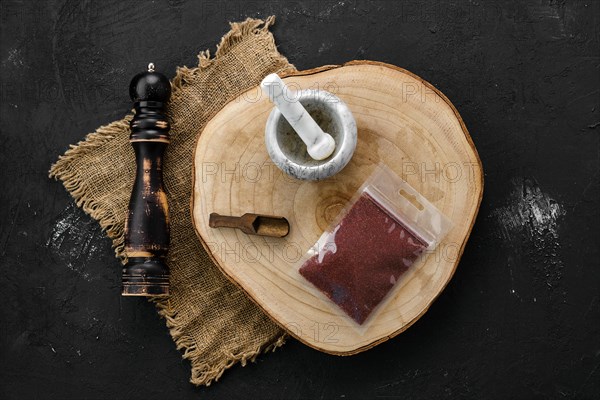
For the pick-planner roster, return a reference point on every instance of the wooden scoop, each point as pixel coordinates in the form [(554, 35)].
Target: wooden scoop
[(252, 224)]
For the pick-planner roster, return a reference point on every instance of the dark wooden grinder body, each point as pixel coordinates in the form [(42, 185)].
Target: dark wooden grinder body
[(147, 224)]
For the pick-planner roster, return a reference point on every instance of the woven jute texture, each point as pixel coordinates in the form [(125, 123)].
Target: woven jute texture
[(211, 320)]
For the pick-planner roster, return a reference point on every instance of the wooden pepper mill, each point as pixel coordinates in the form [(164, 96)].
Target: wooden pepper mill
[(147, 223)]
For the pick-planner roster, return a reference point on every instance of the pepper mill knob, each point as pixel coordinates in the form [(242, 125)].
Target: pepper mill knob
[(150, 86), (147, 224)]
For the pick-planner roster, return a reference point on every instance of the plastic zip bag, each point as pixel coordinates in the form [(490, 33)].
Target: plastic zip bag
[(384, 230)]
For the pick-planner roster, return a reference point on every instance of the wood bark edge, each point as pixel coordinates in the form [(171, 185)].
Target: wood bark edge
[(463, 244)]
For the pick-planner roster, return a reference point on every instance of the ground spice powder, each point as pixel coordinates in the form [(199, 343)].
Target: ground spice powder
[(362, 258)]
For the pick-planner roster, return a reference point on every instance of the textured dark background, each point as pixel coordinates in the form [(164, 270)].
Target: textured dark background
[(521, 317)]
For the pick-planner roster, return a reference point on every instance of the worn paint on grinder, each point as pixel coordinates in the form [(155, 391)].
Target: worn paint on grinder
[(147, 224)]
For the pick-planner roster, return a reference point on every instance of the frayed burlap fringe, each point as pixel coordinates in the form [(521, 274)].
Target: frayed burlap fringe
[(203, 373), (213, 331), (78, 187)]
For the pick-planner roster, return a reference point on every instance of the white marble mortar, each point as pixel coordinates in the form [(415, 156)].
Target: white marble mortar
[(288, 151)]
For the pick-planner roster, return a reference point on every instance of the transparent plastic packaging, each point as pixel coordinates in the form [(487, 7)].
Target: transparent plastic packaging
[(385, 229)]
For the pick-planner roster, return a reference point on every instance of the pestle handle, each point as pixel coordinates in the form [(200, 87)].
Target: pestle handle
[(147, 223), (319, 144)]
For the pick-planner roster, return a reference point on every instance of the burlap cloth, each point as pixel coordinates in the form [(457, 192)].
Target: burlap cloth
[(211, 320)]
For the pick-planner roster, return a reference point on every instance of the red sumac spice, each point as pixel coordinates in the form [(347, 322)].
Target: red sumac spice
[(362, 258)]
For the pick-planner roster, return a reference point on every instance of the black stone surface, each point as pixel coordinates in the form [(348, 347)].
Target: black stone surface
[(521, 317)]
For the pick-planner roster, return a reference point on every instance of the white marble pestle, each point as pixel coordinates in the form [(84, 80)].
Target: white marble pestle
[(319, 144)]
